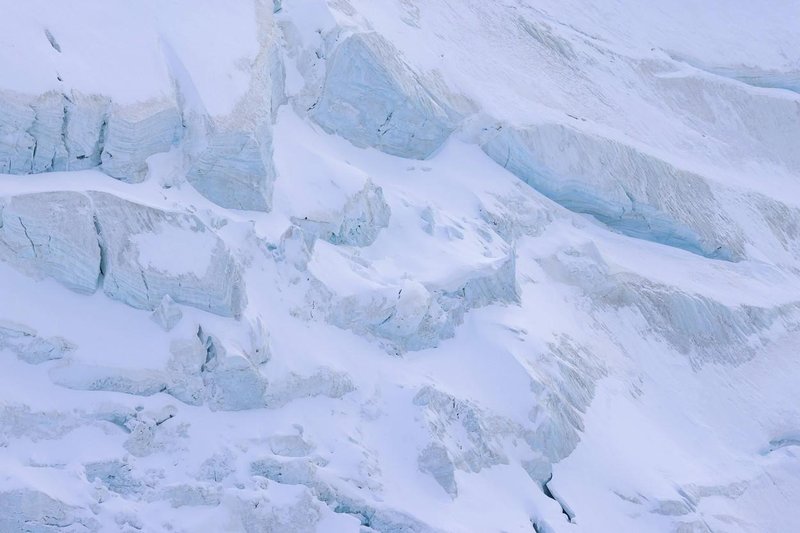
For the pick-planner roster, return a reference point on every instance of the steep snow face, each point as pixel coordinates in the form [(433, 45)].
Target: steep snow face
[(399, 266)]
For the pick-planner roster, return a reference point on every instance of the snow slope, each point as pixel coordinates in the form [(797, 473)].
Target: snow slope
[(399, 266)]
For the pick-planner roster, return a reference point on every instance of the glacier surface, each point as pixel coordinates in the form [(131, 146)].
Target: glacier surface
[(402, 266)]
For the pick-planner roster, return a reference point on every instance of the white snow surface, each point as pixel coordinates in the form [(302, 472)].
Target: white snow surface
[(123, 41), (399, 266)]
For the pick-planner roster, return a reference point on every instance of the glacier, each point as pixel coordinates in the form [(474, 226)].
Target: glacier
[(401, 266)]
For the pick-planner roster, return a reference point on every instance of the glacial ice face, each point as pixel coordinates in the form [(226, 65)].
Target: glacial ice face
[(230, 154), (76, 131), (82, 239), (16, 144), (496, 283), (67, 130), (235, 171), (372, 98), (469, 437), (52, 234), (747, 120), (372, 517), (630, 191), (206, 276), (703, 329), (134, 133), (465, 437), (564, 382), (48, 125), (85, 130), (233, 166), (233, 381)]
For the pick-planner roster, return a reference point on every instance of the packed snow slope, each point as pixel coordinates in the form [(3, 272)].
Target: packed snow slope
[(399, 266)]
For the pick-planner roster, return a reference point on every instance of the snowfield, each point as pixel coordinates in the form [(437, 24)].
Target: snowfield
[(399, 266)]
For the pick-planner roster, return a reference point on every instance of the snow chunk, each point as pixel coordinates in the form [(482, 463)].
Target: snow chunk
[(233, 382), (140, 382), (264, 516), (435, 461), (189, 495), (116, 475), (167, 314), (29, 346), (290, 446), (31, 510), (323, 382), (358, 222), (408, 317)]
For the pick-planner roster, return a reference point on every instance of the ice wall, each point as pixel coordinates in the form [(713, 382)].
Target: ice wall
[(372, 98)]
